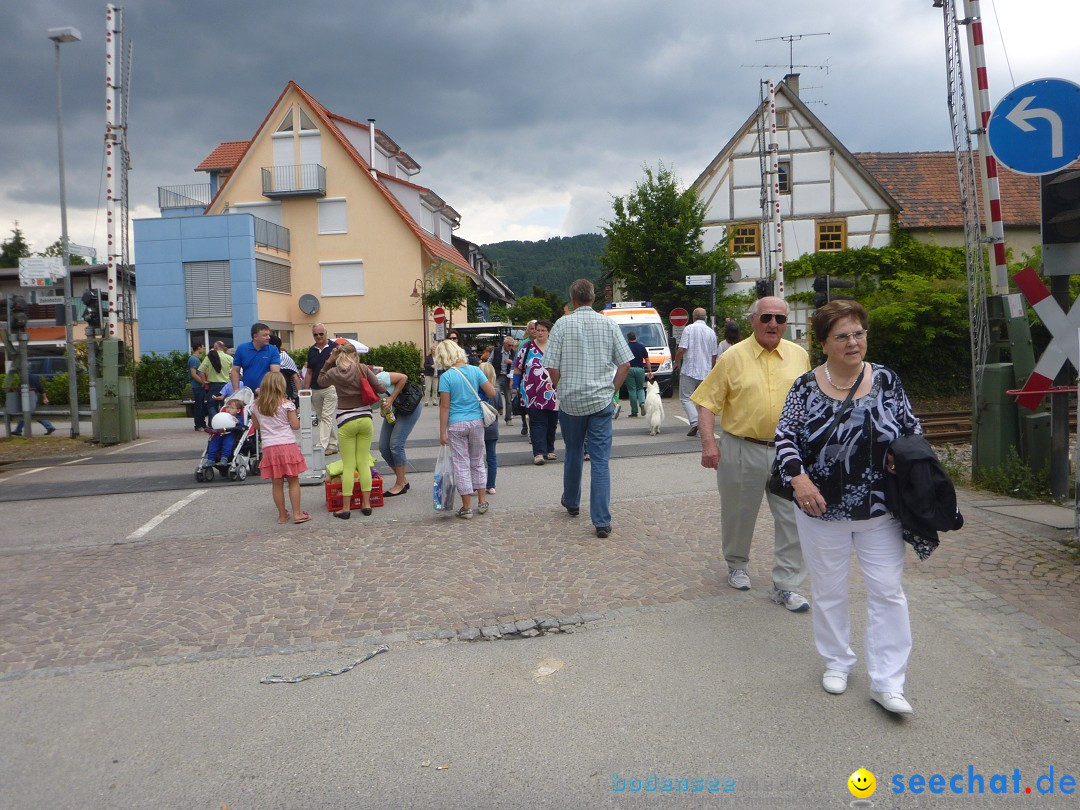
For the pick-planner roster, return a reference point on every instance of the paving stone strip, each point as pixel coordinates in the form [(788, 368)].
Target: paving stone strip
[(510, 575)]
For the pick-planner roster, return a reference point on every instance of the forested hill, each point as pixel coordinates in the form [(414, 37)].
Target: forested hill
[(551, 263)]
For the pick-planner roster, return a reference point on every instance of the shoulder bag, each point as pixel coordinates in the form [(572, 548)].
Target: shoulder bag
[(367, 393), (408, 399), (490, 414), (776, 483)]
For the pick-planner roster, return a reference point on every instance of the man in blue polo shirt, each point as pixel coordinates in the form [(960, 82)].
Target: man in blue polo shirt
[(255, 358)]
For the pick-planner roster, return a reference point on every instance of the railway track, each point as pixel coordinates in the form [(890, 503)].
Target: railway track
[(946, 426), (955, 426)]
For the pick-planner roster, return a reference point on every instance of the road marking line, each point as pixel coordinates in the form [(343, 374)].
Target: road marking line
[(75, 461), (28, 472), (147, 527), (130, 446)]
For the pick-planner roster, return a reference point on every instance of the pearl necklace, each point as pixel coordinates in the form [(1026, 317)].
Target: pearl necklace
[(828, 377)]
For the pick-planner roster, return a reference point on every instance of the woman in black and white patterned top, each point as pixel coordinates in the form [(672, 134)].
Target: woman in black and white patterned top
[(837, 472)]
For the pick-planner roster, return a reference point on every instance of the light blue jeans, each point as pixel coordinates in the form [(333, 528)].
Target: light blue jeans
[(392, 437), (595, 429)]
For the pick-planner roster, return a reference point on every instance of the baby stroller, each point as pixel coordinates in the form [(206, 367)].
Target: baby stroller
[(244, 455)]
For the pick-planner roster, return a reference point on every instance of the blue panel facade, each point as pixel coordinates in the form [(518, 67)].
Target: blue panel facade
[(161, 248)]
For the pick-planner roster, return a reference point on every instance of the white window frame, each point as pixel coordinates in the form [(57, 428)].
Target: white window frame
[(336, 280)]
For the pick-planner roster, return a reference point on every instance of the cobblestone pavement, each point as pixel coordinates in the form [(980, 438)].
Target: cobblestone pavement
[(1008, 586)]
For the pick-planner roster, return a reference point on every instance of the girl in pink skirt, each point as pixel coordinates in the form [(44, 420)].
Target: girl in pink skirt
[(275, 417)]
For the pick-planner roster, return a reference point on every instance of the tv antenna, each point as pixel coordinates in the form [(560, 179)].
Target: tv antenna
[(791, 39)]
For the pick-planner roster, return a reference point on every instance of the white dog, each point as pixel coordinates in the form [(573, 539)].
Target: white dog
[(654, 407)]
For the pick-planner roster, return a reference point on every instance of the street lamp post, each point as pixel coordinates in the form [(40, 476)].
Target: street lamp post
[(59, 35), (421, 293)]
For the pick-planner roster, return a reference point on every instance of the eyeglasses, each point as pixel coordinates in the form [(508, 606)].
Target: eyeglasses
[(859, 336), (766, 317)]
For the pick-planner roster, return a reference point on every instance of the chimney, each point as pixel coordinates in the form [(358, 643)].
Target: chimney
[(792, 82), (371, 147)]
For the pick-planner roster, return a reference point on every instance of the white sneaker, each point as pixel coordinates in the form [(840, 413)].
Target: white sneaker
[(792, 600), (739, 579), (834, 681), (892, 702)]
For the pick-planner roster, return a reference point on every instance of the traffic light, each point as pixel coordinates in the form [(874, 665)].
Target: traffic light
[(763, 287), (18, 317), (824, 287), (1061, 222), (92, 311)]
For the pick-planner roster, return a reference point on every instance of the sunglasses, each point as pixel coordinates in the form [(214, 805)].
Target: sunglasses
[(766, 317)]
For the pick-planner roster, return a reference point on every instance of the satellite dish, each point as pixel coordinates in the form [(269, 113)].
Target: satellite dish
[(309, 304)]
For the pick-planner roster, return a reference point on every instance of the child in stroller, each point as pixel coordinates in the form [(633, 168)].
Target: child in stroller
[(233, 445)]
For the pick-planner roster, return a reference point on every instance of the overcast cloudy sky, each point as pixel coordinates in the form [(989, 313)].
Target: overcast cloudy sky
[(526, 115)]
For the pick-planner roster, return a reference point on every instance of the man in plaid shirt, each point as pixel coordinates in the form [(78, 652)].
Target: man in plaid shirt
[(587, 359)]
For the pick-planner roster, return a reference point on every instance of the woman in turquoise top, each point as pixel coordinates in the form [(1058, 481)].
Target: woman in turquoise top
[(461, 423)]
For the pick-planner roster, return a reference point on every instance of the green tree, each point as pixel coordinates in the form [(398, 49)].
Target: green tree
[(654, 242), (529, 307), (56, 251), (448, 291), (14, 249)]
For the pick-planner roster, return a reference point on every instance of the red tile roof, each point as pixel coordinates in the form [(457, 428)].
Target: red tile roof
[(225, 156), (926, 185), (435, 247)]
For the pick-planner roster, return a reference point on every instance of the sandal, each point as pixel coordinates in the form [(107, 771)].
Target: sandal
[(482, 508), (464, 513), (284, 519), (303, 517)]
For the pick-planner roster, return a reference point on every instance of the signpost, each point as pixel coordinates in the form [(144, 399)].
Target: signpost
[(40, 271), (706, 281), (678, 318), (1035, 129)]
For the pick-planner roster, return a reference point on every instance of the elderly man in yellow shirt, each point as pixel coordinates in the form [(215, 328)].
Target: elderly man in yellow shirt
[(747, 388)]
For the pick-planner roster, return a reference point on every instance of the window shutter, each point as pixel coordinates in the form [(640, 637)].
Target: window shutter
[(207, 290)]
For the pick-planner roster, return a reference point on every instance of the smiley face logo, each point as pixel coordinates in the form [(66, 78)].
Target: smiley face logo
[(862, 784)]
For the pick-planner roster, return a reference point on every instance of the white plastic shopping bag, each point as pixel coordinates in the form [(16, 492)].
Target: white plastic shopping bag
[(444, 480)]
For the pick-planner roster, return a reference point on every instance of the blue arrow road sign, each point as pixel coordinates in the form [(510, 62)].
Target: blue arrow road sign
[(1035, 129)]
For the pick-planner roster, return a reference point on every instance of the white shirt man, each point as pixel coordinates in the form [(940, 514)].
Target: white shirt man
[(694, 359)]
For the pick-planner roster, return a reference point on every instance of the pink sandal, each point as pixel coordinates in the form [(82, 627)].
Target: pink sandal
[(303, 517), (285, 520)]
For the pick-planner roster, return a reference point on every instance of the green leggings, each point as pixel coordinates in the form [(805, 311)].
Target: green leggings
[(354, 443)]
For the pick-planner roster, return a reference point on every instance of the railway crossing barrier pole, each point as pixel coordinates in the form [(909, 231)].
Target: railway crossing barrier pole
[(995, 430)]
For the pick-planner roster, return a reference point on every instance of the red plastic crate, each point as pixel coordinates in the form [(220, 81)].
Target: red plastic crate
[(334, 497)]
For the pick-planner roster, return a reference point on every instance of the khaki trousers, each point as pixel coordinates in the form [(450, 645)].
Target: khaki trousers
[(741, 478), (324, 405)]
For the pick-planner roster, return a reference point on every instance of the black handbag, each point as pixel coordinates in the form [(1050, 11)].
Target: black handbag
[(408, 400), (776, 483)]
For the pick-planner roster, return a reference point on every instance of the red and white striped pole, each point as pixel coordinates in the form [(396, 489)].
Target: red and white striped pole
[(991, 190), (777, 245)]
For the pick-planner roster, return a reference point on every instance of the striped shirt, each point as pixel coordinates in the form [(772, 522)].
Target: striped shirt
[(586, 348)]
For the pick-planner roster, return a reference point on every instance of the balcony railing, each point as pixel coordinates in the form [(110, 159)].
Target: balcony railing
[(306, 180), (270, 234), (196, 195)]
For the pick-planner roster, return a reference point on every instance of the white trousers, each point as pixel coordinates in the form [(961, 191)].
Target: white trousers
[(879, 545), (687, 386), (324, 404)]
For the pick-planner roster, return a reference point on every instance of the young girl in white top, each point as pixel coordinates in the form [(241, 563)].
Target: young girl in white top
[(275, 417)]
